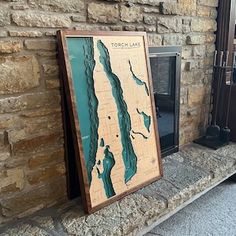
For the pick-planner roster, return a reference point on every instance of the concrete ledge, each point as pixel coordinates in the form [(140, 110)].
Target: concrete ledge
[(187, 175)]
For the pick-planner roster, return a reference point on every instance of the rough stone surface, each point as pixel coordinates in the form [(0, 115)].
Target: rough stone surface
[(187, 178), (31, 34), (213, 214), (203, 158), (210, 3), (203, 25), (40, 44), (196, 95), (195, 39), (18, 74), (58, 5), (26, 230), (10, 46), (169, 25), (29, 101), (165, 189), (44, 159), (52, 84), (172, 39), (31, 19), (46, 173), (104, 13), (11, 180), (154, 39), (33, 200), (169, 8), (131, 14), (186, 174), (4, 17)]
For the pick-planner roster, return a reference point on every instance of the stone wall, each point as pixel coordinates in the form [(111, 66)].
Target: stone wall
[(32, 169)]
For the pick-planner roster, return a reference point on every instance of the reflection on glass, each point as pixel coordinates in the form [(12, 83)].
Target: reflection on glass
[(163, 75), (234, 69)]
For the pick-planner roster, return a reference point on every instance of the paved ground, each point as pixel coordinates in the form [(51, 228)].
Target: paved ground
[(214, 214)]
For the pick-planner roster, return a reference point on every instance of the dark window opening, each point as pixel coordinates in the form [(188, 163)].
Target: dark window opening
[(165, 68)]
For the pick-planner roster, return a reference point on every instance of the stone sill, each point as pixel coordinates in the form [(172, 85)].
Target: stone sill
[(188, 174)]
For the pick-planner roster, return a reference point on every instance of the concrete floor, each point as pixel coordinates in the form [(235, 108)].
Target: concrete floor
[(214, 214)]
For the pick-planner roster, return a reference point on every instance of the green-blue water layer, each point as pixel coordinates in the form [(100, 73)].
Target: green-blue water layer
[(146, 119), (128, 154), (81, 51), (137, 80), (108, 163)]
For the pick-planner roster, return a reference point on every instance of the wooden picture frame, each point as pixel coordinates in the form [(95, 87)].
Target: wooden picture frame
[(94, 198)]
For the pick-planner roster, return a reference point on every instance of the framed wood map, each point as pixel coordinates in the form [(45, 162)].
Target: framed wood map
[(106, 77)]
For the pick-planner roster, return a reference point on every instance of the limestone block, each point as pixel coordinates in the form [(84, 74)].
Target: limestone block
[(170, 8), (131, 14), (58, 5), (195, 39), (208, 159), (11, 180), (51, 69), (18, 74), (28, 33), (210, 49), (203, 25), (78, 18), (154, 39), (116, 27), (37, 143), (25, 229), (36, 19), (46, 173), (8, 121), (210, 38), (169, 25), (199, 51), (38, 160), (209, 3), (3, 33), (32, 44), (149, 20), (203, 11), (129, 27), (149, 2), (10, 46), (151, 9), (136, 210), (34, 199), (165, 189), (172, 39), (187, 52), (30, 101), (186, 27), (189, 179), (140, 28), (150, 28), (52, 84), (103, 13), (4, 17), (35, 125), (196, 95)]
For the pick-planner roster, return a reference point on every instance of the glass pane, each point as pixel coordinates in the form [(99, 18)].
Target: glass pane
[(164, 76), (163, 69), (234, 69)]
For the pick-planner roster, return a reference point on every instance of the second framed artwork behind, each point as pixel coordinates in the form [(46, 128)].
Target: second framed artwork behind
[(107, 80)]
